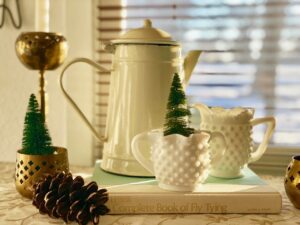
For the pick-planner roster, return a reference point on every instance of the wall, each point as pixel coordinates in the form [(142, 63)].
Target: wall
[(17, 82), (79, 28)]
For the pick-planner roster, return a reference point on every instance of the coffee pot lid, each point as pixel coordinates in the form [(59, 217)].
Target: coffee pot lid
[(146, 35)]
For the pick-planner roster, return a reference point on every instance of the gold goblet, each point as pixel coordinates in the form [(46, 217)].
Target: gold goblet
[(41, 51)]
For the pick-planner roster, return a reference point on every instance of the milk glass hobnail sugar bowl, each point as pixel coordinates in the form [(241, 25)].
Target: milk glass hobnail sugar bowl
[(236, 125), (143, 63), (179, 163)]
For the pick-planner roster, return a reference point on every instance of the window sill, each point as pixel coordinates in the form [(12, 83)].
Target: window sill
[(275, 160)]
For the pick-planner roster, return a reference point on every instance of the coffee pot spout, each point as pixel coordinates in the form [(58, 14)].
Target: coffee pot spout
[(189, 64)]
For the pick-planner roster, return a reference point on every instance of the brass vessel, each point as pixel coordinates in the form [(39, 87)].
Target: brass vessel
[(41, 51), (292, 181), (31, 168)]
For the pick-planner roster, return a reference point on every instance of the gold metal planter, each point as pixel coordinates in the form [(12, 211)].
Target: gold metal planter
[(31, 168), (292, 181)]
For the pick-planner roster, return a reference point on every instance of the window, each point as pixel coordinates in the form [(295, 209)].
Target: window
[(251, 53)]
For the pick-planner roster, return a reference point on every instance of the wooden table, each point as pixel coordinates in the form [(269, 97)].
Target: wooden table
[(15, 209)]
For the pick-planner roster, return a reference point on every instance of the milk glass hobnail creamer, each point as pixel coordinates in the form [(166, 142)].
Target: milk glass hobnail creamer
[(236, 125), (143, 64)]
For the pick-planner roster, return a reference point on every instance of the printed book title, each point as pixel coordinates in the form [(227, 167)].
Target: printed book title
[(169, 208)]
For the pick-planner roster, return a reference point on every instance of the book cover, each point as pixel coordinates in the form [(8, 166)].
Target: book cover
[(138, 195)]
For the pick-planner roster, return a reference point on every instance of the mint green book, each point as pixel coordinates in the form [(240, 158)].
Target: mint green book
[(137, 195)]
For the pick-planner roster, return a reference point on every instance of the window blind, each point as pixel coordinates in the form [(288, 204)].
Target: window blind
[(250, 53)]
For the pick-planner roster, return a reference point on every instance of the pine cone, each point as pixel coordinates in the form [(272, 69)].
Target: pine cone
[(62, 197)]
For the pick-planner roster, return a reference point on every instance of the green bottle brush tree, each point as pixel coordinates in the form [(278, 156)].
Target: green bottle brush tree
[(36, 139), (178, 113)]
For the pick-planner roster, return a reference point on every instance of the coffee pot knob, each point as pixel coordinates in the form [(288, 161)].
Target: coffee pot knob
[(147, 23)]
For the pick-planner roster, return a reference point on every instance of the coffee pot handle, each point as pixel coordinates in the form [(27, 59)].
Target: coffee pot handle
[(137, 150), (100, 137), (270, 122)]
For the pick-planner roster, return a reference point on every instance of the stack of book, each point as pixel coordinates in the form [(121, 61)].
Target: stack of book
[(137, 195)]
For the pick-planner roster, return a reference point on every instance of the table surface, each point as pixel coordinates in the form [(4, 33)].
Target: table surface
[(15, 209)]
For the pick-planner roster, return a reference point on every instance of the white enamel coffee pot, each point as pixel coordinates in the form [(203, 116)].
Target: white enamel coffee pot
[(144, 61)]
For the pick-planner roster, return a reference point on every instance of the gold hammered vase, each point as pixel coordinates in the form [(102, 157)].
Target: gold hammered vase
[(292, 181), (31, 168)]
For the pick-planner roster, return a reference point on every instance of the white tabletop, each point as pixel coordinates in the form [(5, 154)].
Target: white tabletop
[(15, 209)]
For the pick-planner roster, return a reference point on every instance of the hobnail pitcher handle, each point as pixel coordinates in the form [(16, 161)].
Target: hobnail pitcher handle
[(202, 108), (270, 122), (222, 147), (100, 137), (137, 151)]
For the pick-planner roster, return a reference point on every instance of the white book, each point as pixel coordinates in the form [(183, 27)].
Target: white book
[(139, 195)]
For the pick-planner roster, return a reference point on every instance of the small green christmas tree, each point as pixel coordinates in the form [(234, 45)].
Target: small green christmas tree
[(36, 139), (177, 117)]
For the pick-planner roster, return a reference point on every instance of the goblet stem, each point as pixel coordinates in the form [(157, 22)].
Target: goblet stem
[(42, 94), (41, 51)]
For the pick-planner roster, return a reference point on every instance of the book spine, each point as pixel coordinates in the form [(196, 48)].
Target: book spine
[(157, 204)]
